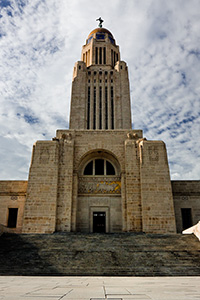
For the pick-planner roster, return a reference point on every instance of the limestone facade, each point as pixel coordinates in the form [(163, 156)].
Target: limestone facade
[(131, 197), (100, 175), (186, 198), (12, 196), (186, 194)]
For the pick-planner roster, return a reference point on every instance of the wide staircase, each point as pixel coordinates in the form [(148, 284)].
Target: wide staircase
[(124, 254)]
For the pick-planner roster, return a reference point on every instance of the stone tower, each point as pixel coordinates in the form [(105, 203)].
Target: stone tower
[(100, 88), (100, 175)]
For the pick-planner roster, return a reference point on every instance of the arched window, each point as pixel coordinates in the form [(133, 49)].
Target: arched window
[(99, 166)]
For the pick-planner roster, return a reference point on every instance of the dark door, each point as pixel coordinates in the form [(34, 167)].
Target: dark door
[(186, 217), (12, 217), (99, 221)]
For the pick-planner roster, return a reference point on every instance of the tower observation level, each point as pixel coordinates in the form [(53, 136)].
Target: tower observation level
[(100, 89)]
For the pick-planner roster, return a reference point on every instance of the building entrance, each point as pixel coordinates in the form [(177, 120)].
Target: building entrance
[(12, 217), (99, 222)]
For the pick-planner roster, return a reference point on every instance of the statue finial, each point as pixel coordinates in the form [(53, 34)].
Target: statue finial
[(100, 22)]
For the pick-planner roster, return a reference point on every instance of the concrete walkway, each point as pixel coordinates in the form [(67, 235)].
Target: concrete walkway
[(99, 288)]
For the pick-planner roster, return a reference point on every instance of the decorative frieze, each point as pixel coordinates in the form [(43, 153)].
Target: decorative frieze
[(99, 185)]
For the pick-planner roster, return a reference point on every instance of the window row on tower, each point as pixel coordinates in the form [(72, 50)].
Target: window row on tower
[(100, 73), (114, 57), (100, 107), (100, 81), (100, 55)]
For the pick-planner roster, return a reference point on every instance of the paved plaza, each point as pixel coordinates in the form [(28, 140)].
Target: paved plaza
[(99, 288)]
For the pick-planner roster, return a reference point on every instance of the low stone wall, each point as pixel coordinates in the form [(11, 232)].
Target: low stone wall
[(186, 187), (13, 187), (186, 194), (12, 195)]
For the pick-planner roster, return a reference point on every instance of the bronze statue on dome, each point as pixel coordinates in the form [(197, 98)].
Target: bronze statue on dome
[(100, 22)]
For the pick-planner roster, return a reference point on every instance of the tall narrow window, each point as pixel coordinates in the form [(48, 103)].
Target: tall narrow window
[(100, 107), (12, 217), (117, 57), (106, 107), (94, 111), (86, 58), (100, 55), (112, 62), (112, 108), (104, 55), (88, 109), (96, 55)]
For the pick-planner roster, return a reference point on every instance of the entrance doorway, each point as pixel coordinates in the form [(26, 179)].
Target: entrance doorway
[(99, 222), (186, 217), (12, 217)]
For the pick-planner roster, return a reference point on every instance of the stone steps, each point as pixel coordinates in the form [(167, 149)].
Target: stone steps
[(125, 254)]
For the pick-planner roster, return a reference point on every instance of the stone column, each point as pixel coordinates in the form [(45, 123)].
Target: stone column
[(74, 201), (124, 205), (103, 101), (97, 101), (133, 194), (91, 100), (117, 100), (109, 103), (65, 183)]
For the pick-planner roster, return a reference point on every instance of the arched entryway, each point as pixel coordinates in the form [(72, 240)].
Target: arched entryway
[(99, 206)]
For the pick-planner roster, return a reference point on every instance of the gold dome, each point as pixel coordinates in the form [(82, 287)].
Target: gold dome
[(100, 30)]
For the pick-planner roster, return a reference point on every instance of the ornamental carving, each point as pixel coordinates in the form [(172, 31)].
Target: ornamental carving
[(99, 185), (153, 153), (44, 155), (131, 136)]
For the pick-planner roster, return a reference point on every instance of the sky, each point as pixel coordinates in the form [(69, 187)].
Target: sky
[(40, 41)]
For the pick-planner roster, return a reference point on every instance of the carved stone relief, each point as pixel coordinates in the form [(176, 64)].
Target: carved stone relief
[(153, 153), (131, 136), (99, 185), (44, 155)]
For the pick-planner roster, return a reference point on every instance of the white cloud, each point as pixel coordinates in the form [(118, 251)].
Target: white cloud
[(42, 40)]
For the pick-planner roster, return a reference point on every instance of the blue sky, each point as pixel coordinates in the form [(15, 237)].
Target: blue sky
[(40, 41)]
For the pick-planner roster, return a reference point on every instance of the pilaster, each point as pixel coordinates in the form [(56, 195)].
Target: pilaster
[(65, 183), (133, 196), (156, 193)]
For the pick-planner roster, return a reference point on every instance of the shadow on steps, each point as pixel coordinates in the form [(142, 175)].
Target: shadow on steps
[(78, 254)]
